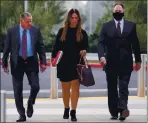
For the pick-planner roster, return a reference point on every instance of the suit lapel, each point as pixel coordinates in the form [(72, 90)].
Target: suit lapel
[(113, 27), (125, 28), (18, 36)]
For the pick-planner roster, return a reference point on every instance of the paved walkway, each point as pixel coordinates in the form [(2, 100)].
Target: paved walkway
[(89, 110)]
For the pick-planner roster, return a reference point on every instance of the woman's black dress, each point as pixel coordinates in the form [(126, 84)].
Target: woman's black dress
[(66, 69)]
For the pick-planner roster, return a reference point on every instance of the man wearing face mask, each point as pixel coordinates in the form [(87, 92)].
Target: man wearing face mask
[(117, 40)]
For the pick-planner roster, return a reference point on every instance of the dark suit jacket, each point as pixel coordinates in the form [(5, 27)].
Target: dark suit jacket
[(12, 45), (117, 48)]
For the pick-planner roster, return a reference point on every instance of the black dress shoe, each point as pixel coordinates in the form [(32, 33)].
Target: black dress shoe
[(73, 115), (114, 117), (21, 119), (30, 110), (124, 114), (66, 113)]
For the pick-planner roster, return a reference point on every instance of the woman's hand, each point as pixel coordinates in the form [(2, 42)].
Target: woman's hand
[(83, 53)]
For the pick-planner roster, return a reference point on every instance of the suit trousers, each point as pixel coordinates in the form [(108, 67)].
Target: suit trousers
[(29, 67), (117, 101)]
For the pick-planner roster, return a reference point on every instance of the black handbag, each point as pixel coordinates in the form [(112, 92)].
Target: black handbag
[(85, 74)]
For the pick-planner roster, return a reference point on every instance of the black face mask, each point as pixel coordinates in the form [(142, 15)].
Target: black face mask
[(118, 16)]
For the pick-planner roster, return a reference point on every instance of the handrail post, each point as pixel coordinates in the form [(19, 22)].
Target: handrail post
[(144, 70), (3, 106), (141, 78), (54, 83)]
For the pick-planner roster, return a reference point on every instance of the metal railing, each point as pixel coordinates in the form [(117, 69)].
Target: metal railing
[(142, 77), (54, 83), (3, 106), (89, 56)]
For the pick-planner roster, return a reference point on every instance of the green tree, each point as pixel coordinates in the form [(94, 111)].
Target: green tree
[(46, 14), (10, 11), (9, 17), (93, 38), (93, 42)]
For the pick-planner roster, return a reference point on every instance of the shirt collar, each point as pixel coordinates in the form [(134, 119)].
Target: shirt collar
[(121, 21), (22, 29)]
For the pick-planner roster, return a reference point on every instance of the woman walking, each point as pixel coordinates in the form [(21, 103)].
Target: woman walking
[(73, 41)]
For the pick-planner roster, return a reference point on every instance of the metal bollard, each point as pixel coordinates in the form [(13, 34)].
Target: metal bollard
[(3, 106), (142, 77), (54, 83), (144, 70)]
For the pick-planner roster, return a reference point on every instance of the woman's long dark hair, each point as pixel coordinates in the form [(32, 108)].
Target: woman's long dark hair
[(79, 35)]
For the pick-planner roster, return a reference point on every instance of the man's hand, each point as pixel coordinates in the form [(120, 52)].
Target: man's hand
[(43, 67), (137, 66), (6, 70), (83, 53), (103, 61)]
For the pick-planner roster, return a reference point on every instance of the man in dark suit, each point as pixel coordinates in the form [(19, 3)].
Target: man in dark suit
[(117, 40), (23, 42)]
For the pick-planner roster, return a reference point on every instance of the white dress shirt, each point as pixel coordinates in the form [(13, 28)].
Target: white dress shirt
[(121, 24)]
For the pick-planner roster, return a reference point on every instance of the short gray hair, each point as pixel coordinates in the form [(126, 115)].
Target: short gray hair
[(24, 14)]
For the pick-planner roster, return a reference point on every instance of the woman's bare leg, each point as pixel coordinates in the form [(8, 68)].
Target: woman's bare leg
[(66, 93), (74, 93)]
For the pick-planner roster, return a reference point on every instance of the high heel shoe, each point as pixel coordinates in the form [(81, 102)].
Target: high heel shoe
[(73, 115), (66, 113)]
